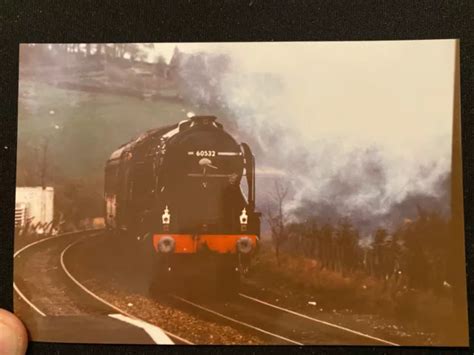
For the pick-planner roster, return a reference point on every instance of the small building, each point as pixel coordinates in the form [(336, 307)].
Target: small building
[(20, 214), (34, 205)]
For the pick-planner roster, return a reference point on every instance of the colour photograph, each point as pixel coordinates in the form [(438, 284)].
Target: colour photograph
[(245, 193)]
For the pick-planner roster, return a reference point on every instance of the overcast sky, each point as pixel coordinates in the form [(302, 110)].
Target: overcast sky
[(394, 93), (337, 100), (394, 96)]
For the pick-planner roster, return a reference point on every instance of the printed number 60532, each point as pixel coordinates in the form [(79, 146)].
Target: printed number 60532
[(206, 153)]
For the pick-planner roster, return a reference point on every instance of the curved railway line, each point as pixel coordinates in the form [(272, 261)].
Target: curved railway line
[(102, 305), (251, 315)]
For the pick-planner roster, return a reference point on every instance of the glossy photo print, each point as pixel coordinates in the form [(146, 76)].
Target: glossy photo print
[(293, 193)]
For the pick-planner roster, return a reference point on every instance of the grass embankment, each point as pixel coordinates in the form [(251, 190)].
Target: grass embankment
[(72, 133), (303, 280), (83, 128)]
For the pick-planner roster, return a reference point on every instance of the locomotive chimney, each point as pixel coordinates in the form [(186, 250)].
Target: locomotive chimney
[(203, 119)]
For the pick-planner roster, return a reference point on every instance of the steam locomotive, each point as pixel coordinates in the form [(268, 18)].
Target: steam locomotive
[(182, 190)]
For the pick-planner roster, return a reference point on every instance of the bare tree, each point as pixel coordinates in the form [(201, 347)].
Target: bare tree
[(276, 218)]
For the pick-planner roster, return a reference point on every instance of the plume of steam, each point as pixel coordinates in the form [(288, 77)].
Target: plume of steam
[(332, 175), (373, 170)]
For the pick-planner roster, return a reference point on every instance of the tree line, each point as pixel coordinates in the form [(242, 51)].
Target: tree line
[(42, 53), (196, 77), (416, 254)]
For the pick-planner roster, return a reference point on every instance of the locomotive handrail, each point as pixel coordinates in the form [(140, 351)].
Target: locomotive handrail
[(250, 173), (209, 175)]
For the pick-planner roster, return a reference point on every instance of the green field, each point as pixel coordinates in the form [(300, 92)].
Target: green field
[(82, 129)]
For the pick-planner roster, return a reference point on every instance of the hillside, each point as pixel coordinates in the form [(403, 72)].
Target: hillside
[(82, 129), (76, 131)]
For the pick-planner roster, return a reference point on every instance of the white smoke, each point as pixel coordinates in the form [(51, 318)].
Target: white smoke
[(361, 127), (355, 125)]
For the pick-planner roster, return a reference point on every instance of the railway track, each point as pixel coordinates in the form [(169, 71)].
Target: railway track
[(245, 313), (57, 293), (281, 325)]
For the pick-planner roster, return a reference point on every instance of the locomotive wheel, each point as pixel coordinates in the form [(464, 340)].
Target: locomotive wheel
[(161, 281), (146, 249), (227, 279)]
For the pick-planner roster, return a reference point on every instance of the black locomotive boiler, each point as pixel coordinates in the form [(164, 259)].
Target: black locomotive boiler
[(187, 189)]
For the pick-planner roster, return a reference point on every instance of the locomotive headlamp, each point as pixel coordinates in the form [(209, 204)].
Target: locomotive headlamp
[(244, 218), (166, 216), (244, 245), (166, 244)]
